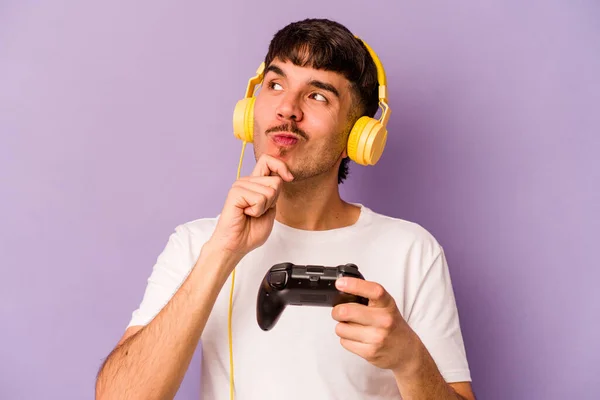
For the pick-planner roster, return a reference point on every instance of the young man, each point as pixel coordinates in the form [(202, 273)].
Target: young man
[(405, 344)]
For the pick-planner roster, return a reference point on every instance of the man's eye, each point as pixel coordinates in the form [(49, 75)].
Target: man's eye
[(319, 97), (275, 86)]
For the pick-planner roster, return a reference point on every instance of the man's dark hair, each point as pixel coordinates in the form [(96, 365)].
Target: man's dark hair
[(328, 45)]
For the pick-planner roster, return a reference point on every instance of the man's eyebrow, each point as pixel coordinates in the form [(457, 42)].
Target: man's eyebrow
[(275, 69), (316, 83), (325, 86)]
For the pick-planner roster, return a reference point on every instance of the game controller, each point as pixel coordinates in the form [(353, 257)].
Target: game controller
[(288, 284)]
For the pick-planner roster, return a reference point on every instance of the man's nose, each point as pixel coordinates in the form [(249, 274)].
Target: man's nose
[(289, 108)]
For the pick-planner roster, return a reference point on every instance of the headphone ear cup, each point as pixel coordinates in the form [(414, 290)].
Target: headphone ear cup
[(243, 120), (354, 139), (366, 141)]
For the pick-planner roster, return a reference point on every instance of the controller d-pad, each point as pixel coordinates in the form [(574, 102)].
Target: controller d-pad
[(278, 279)]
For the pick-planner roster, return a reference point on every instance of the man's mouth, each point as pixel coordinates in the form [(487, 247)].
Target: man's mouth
[(285, 139)]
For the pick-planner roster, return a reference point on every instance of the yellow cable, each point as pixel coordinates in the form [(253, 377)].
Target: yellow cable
[(231, 396)]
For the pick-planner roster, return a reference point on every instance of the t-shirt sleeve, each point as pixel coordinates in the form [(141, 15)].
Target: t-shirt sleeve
[(434, 318), (172, 267)]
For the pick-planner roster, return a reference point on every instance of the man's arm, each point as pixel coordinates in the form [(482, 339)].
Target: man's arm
[(151, 363), (421, 380)]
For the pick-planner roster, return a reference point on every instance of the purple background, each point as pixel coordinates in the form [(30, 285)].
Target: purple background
[(115, 122)]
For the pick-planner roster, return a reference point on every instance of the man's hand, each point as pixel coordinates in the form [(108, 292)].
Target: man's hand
[(248, 215), (380, 335), (376, 332)]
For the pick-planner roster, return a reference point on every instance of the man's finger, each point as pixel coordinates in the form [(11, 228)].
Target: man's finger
[(363, 350), (356, 313), (269, 192), (253, 204), (358, 333), (373, 291), (271, 181), (268, 165)]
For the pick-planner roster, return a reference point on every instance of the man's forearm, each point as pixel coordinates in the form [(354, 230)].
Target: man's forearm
[(152, 363), (422, 380)]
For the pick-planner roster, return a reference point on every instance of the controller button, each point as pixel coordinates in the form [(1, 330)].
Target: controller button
[(314, 269), (278, 279), (281, 267), (314, 281)]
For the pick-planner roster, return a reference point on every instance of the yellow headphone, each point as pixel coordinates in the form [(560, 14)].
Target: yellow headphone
[(365, 145), (368, 135)]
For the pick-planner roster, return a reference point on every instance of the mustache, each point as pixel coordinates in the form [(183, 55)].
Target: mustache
[(288, 128)]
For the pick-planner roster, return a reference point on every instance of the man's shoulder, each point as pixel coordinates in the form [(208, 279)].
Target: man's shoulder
[(198, 230), (399, 229), (399, 226)]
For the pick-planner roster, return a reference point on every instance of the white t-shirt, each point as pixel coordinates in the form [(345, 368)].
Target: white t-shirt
[(301, 357)]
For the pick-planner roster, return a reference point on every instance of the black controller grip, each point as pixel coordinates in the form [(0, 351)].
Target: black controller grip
[(288, 284)]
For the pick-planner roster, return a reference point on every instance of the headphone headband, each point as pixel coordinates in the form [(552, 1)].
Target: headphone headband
[(381, 78)]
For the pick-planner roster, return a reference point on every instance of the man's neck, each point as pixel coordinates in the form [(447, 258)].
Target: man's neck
[(315, 204)]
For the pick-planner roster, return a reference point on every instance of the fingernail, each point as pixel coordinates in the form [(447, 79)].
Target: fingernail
[(341, 282)]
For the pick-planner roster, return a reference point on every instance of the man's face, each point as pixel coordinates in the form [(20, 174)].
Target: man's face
[(301, 116)]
